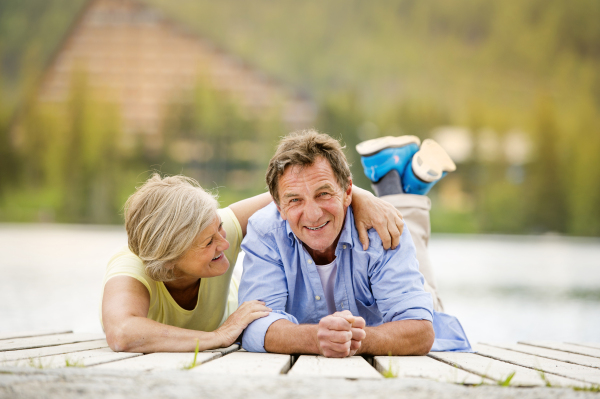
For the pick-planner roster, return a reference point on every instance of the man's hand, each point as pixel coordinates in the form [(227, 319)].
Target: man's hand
[(340, 334)]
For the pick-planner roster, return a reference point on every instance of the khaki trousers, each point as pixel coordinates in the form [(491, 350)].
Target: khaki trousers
[(415, 211)]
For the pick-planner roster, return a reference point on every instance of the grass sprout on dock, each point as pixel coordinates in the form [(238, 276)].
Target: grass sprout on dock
[(193, 363), (507, 380), (36, 362), (593, 388), (390, 373), (73, 363), (543, 377)]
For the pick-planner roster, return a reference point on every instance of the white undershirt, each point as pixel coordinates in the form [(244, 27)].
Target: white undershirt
[(327, 274)]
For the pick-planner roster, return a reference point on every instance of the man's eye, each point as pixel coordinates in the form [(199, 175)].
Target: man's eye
[(294, 200), (322, 194)]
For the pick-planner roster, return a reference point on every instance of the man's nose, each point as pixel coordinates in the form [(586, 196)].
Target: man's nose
[(313, 211)]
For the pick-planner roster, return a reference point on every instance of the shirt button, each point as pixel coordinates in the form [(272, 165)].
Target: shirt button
[(310, 262), (343, 246), (318, 298)]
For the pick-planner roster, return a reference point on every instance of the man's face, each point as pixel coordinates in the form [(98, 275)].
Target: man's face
[(314, 204)]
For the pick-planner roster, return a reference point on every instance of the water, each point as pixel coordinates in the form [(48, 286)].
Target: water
[(502, 288)]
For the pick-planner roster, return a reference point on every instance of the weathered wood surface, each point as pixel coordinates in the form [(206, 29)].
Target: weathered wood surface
[(27, 334), (47, 340), (581, 350), (574, 371), (354, 367), (160, 361), (74, 359), (500, 370), (587, 344), (247, 363), (534, 363), (550, 354), (52, 350), (427, 367)]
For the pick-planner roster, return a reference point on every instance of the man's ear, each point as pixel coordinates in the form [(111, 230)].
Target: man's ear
[(348, 194)]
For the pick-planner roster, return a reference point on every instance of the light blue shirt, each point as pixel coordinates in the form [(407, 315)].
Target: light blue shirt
[(380, 286)]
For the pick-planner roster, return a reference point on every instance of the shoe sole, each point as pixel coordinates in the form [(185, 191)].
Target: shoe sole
[(431, 161), (370, 147)]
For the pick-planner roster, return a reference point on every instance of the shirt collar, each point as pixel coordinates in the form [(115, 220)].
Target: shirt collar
[(345, 236)]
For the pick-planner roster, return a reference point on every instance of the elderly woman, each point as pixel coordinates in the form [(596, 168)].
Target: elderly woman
[(172, 289)]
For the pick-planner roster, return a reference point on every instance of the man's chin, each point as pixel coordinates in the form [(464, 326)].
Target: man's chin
[(318, 244)]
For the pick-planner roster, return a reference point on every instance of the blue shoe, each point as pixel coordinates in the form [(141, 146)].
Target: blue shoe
[(428, 166), (379, 156)]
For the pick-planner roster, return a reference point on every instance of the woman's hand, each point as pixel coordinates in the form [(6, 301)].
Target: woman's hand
[(372, 212), (239, 320)]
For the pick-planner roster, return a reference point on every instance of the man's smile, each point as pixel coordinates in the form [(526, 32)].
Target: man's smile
[(317, 227)]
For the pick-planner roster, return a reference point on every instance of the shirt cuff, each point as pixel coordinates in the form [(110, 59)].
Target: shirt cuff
[(253, 339), (419, 307)]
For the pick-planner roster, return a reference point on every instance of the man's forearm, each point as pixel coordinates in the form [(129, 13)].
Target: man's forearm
[(283, 336), (403, 337)]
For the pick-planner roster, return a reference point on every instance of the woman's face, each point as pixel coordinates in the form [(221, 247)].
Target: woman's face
[(206, 257)]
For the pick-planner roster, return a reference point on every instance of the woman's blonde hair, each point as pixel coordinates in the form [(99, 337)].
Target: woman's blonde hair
[(162, 219)]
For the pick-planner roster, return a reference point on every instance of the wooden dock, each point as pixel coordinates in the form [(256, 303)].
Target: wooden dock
[(525, 364)]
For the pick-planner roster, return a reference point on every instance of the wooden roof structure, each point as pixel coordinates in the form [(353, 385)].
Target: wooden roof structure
[(142, 61)]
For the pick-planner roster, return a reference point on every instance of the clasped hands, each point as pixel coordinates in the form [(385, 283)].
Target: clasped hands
[(340, 334)]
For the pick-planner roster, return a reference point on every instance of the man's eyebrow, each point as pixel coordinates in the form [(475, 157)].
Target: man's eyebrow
[(288, 195), (325, 186)]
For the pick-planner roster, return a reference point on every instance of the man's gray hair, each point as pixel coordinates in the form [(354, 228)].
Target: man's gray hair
[(303, 148)]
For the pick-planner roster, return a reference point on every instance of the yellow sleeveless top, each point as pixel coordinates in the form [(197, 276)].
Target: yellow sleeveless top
[(217, 296)]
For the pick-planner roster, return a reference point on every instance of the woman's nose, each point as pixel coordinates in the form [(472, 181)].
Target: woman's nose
[(223, 243)]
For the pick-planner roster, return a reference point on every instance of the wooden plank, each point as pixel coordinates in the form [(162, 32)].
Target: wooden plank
[(550, 354), (574, 371), (595, 345), (49, 340), (247, 363), (354, 367), (75, 359), (225, 351), (500, 371), (27, 334), (427, 367), (52, 350), (160, 361), (581, 350)]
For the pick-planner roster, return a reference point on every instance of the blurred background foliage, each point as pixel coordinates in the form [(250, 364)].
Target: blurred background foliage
[(372, 68)]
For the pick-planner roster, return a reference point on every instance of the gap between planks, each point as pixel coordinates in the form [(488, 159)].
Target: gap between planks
[(567, 357), (500, 370), (48, 340), (571, 348), (428, 368), (28, 334), (52, 350), (541, 364)]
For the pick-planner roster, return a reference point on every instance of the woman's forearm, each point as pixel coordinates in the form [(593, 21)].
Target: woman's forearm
[(245, 208), (143, 335)]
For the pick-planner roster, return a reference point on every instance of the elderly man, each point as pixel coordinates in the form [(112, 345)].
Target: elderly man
[(329, 296)]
